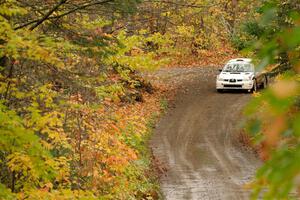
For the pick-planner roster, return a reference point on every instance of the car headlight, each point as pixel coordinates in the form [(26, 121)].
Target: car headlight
[(249, 78), (220, 79)]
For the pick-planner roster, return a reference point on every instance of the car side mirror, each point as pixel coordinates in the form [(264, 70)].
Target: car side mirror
[(220, 70)]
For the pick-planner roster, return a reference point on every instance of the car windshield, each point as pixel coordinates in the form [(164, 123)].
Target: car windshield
[(238, 67)]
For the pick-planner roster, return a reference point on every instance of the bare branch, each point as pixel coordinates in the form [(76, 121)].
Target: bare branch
[(48, 14), (49, 17), (178, 4)]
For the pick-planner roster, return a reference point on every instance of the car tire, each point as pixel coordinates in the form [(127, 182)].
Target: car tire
[(219, 90), (254, 88), (265, 83)]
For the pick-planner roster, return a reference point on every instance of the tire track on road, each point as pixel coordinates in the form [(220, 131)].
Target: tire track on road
[(196, 140)]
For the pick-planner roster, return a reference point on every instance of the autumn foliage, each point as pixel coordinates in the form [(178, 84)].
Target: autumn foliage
[(74, 112)]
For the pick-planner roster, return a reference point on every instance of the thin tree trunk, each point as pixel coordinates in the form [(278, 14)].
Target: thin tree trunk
[(233, 13), (13, 180), (9, 76)]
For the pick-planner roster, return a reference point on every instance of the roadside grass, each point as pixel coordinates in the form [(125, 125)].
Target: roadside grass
[(147, 160), (142, 175), (164, 104)]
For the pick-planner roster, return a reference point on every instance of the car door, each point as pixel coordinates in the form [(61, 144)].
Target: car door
[(259, 76)]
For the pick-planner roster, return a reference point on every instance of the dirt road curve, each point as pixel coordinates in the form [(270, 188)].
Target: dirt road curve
[(197, 141)]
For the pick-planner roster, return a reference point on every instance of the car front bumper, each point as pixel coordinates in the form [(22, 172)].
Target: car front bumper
[(239, 85)]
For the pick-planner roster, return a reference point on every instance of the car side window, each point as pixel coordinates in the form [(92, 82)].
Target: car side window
[(253, 67)]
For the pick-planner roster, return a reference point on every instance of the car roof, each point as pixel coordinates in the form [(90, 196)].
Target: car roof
[(240, 60)]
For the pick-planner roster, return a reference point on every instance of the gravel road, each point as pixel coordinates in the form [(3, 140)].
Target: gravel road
[(197, 141)]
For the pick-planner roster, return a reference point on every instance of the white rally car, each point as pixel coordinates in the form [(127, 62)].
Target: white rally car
[(240, 74)]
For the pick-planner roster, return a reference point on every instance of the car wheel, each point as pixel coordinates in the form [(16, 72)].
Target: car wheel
[(265, 83), (219, 90), (254, 89)]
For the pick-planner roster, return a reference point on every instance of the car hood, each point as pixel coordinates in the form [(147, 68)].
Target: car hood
[(241, 75)]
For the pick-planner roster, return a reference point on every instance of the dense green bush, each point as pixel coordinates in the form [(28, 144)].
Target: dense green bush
[(274, 114)]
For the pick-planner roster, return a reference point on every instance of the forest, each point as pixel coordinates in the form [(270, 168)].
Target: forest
[(76, 113)]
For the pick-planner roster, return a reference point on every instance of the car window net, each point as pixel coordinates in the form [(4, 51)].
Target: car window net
[(238, 68)]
